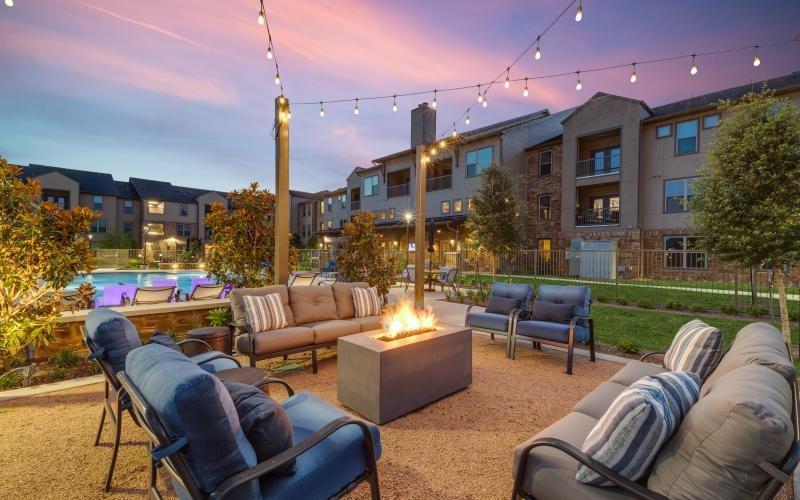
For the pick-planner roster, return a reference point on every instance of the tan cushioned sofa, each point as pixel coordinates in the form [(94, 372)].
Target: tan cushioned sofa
[(737, 441), (317, 316)]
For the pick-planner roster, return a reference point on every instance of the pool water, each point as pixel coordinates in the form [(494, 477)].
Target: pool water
[(143, 278)]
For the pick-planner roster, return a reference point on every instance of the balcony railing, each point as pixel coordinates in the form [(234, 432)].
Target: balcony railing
[(597, 217), (397, 190), (355, 205), (439, 183), (601, 165)]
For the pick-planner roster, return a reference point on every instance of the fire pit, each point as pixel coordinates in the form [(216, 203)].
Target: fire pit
[(413, 361)]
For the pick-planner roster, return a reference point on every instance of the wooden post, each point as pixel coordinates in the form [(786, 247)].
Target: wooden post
[(281, 264), (419, 229)]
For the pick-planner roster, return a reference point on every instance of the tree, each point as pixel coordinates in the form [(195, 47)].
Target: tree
[(746, 206), (117, 239), (243, 239), (362, 258), (312, 241), (42, 248), (494, 224), (296, 241)]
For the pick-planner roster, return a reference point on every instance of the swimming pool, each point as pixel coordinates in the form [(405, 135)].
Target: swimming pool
[(138, 278)]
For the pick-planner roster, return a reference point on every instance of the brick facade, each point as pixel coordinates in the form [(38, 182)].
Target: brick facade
[(543, 185)]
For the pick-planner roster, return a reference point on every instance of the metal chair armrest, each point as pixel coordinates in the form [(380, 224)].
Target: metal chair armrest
[(202, 343), (220, 356), (292, 453), (272, 380), (605, 472), (648, 354)]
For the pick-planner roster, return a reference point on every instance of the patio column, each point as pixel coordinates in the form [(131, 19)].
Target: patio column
[(419, 229), (281, 264)]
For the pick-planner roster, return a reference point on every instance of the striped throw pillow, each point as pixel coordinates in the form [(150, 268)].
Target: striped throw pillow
[(366, 302), (697, 348), (264, 312), (628, 437)]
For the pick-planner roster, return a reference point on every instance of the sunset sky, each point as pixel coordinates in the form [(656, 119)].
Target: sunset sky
[(181, 91)]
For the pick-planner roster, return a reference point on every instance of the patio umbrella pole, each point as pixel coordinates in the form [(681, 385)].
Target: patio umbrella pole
[(419, 230), (281, 264)]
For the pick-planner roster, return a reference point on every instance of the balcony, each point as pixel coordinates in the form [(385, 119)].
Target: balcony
[(355, 205), (439, 183), (597, 217), (398, 190), (599, 165)]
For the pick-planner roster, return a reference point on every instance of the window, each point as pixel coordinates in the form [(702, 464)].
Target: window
[(371, 185), (544, 250), (127, 206), (606, 161), (391, 214), (322, 207), (342, 222), (155, 207), (711, 121), (664, 131), (544, 207), (97, 202), (469, 204), (127, 227), (677, 194), (155, 228), (382, 215), (446, 207), (321, 226), (99, 226), (207, 208), (59, 200), (545, 162), (686, 252), (330, 224), (458, 206), (343, 200), (330, 204), (183, 209), (479, 160), (182, 229), (686, 137)]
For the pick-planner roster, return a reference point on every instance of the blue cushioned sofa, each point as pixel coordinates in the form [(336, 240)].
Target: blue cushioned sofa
[(579, 327), (500, 324), (190, 419)]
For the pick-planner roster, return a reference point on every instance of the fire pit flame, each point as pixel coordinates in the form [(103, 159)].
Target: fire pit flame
[(404, 320)]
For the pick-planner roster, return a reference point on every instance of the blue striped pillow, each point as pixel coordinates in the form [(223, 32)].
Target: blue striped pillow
[(696, 348), (637, 424)]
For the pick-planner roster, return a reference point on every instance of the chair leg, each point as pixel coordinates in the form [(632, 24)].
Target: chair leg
[(252, 361), (100, 427), (285, 357), (313, 361), (591, 340), (117, 432)]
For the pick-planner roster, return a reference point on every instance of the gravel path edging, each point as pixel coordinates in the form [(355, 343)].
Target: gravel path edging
[(47, 388)]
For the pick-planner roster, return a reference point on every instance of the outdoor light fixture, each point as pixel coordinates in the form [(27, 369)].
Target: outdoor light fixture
[(261, 18), (507, 84), (433, 104), (9, 3), (394, 103), (277, 78), (485, 102), (480, 96), (578, 84), (321, 109), (538, 54), (355, 110), (756, 59), (579, 12), (269, 53), (466, 121), (693, 70), (633, 75), (525, 90), (455, 134)]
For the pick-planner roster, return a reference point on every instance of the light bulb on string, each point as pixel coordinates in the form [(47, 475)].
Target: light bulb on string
[(485, 102), (480, 96), (507, 83), (633, 75), (261, 18), (756, 59), (355, 110), (455, 134), (525, 90), (579, 12), (277, 78), (281, 99), (435, 101), (466, 122), (394, 103), (538, 54), (693, 69), (578, 84), (9, 3), (269, 52), (321, 110)]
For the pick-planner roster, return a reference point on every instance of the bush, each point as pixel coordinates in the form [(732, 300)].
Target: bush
[(9, 380), (134, 263), (472, 295), (756, 310), (66, 359), (601, 298), (644, 304), (728, 309), (697, 308), (218, 316), (794, 315), (622, 301), (627, 346), (57, 374), (674, 305), (447, 295), (460, 295)]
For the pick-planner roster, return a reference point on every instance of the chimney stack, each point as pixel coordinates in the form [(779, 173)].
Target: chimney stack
[(423, 125)]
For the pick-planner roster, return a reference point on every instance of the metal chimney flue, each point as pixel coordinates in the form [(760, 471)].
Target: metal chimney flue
[(423, 125)]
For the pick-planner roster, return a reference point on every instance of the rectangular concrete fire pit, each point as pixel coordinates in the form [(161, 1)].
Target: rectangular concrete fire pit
[(385, 380)]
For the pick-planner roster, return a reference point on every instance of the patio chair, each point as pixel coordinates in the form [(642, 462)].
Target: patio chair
[(563, 318), (206, 292), (510, 299), (152, 295), (303, 279), (176, 295), (447, 278), (115, 295), (408, 275), (110, 336), (193, 425)]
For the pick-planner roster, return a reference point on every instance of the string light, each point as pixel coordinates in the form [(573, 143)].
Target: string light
[(485, 103), (480, 96), (355, 110), (394, 103), (435, 101), (455, 134), (579, 12), (633, 75), (538, 54), (321, 110), (277, 78), (756, 59), (271, 55), (261, 19), (507, 84), (466, 122), (9, 3), (281, 99), (525, 90), (269, 52), (578, 85), (693, 70)]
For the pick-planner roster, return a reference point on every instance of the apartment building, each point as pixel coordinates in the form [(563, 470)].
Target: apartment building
[(303, 221), (163, 216)]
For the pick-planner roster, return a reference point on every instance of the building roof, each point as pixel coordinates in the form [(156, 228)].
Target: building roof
[(549, 128), (90, 182), (785, 83), (604, 95), (125, 190), (164, 191)]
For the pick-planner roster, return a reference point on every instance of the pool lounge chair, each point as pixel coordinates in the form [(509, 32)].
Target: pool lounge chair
[(176, 296), (152, 295), (304, 279), (206, 292), (115, 295)]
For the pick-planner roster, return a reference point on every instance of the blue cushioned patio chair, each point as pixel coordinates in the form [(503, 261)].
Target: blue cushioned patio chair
[(579, 328), (110, 336), (198, 440), (500, 324)]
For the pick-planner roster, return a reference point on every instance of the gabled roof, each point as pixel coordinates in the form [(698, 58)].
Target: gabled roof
[(125, 190), (164, 191), (603, 95), (549, 128), (780, 83), (90, 182)]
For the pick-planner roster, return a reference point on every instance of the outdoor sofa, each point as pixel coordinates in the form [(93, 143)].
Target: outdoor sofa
[(317, 316), (739, 440)]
